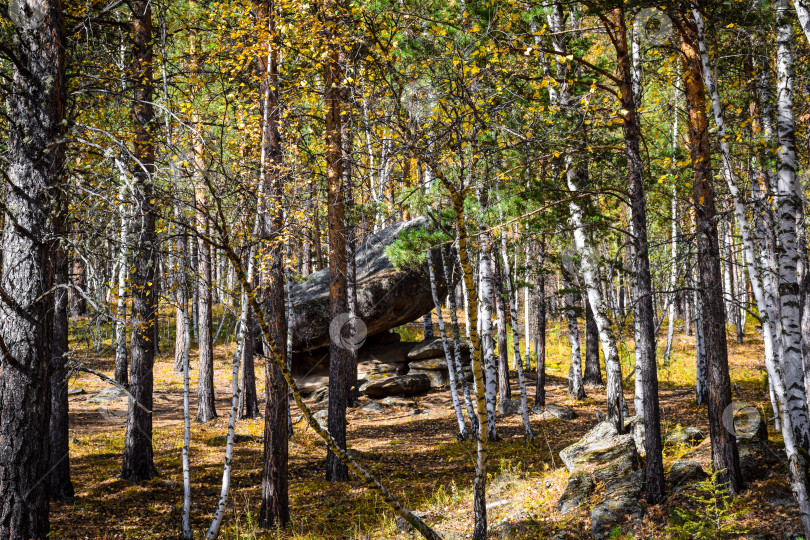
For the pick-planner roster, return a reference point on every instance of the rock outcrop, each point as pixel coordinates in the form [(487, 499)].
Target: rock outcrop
[(603, 457)]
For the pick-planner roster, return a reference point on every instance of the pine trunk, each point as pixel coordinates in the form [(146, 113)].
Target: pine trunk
[(274, 511), (593, 373), (646, 342), (339, 367), (138, 464), (725, 456)]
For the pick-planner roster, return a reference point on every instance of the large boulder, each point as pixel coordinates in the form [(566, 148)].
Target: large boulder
[(621, 503), (405, 385), (386, 296), (430, 364)]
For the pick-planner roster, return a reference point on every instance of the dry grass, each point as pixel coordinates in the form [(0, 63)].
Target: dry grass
[(416, 456)]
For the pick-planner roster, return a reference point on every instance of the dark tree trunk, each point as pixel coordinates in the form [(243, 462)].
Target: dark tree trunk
[(593, 373), (725, 456), (540, 346), (250, 402), (206, 405), (275, 508), (645, 345), (35, 110), (181, 311), (206, 402), (504, 391), (138, 461), (60, 484), (338, 354), (427, 325), (78, 305), (352, 387)]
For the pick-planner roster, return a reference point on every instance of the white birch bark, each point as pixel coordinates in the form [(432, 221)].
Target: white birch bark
[(803, 14), (123, 271), (485, 286), (452, 306), (186, 520), (222, 505), (510, 290), (788, 206), (527, 329), (448, 355), (673, 272)]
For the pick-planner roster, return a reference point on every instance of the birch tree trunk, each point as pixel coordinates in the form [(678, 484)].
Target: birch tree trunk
[(512, 295), (222, 505), (575, 174), (186, 519), (803, 13), (788, 207), (487, 341), (673, 272), (448, 354), (123, 270), (504, 390), (454, 326), (798, 464)]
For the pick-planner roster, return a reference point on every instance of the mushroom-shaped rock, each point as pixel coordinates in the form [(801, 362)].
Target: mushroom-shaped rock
[(386, 296)]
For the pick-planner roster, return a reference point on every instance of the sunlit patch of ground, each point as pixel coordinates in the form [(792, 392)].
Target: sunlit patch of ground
[(416, 456)]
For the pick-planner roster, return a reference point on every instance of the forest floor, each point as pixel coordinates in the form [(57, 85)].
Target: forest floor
[(415, 455)]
